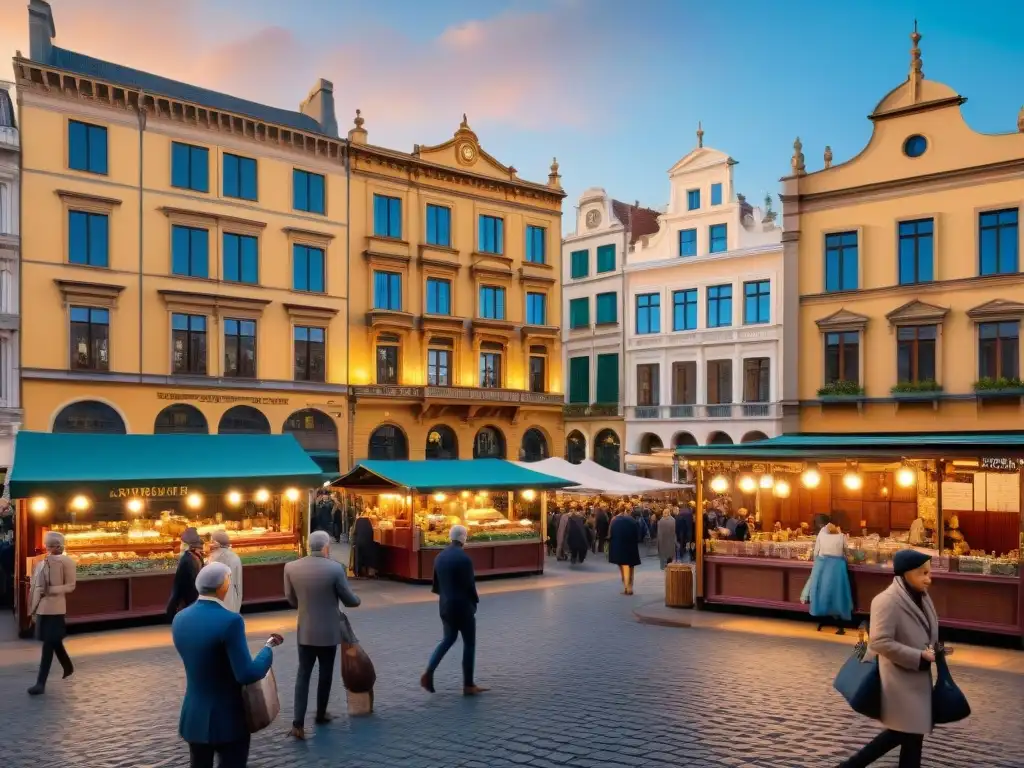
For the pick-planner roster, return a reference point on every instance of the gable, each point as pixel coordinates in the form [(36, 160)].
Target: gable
[(917, 312), (700, 159), (997, 309), (463, 151), (843, 320)]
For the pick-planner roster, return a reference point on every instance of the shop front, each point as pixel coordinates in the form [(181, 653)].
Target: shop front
[(412, 506), (122, 502), (957, 497)]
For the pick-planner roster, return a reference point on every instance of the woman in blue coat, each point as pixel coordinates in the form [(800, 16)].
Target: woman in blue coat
[(624, 548)]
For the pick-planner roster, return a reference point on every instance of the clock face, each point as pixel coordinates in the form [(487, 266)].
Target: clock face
[(468, 152), (593, 218)]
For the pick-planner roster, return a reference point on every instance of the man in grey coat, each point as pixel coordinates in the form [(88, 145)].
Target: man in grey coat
[(314, 585)]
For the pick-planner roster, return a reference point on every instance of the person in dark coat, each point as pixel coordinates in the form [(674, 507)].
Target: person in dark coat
[(601, 524), (685, 528), (365, 548), (624, 548), (553, 521), (576, 539), (183, 590)]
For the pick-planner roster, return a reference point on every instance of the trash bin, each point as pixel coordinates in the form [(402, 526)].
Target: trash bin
[(678, 586)]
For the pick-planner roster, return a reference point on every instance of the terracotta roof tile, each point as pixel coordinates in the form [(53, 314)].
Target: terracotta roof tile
[(640, 221)]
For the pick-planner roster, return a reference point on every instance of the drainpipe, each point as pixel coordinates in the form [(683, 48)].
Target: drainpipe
[(626, 234), (141, 113), (350, 399)]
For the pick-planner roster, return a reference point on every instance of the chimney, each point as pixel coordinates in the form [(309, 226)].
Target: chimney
[(40, 31), (319, 105)]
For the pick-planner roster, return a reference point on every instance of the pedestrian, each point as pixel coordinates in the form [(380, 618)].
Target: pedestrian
[(828, 588), (314, 585), (455, 585), (685, 529), (364, 548), (210, 639), (553, 521), (221, 552), (601, 523), (904, 629), (183, 589), (745, 526), (52, 579), (666, 534), (624, 548), (563, 527), (336, 519), (576, 539)]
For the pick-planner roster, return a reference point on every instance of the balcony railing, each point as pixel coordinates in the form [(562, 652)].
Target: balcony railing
[(706, 411), (583, 410), (469, 394), (9, 137)]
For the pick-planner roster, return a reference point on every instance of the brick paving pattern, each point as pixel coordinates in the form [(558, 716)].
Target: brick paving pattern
[(577, 684)]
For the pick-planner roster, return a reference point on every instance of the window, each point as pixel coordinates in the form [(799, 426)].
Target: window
[(240, 177), (190, 251), (387, 216), (692, 199), (310, 353), (439, 366), (579, 312), (757, 302), (87, 147), (490, 370), (536, 309), (842, 357), (915, 146), (648, 313), (684, 310), (757, 380), (915, 353), (538, 375), (88, 238), (387, 359), (188, 344), (999, 350), (841, 261), (439, 225), (308, 271), (90, 339), (240, 348), (647, 388), (535, 250), (719, 382), (492, 234), (241, 258), (718, 238), (716, 194), (579, 379), (606, 258), (579, 264), (684, 383), (998, 242), (387, 291), (719, 306), (307, 191), (190, 167), (916, 252), (608, 378), (607, 307), (688, 242), (492, 302), (439, 296)]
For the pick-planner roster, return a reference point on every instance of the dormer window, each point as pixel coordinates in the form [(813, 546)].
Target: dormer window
[(692, 199)]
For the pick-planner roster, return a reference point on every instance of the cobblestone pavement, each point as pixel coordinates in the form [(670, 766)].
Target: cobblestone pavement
[(576, 683)]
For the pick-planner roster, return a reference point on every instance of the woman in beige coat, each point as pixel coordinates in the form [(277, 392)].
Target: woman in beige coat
[(904, 630), (52, 579)]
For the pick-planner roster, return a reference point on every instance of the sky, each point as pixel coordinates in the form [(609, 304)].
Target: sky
[(613, 88)]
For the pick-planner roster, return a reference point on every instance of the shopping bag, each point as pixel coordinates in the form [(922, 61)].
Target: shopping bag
[(357, 672), (348, 635), (261, 703), (949, 705), (860, 682)]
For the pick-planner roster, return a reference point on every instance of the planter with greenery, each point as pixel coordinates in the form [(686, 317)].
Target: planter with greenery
[(924, 388), (849, 390), (1000, 386)]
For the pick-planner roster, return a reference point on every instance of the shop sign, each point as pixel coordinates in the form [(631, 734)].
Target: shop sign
[(1005, 464), (150, 492), (197, 397)]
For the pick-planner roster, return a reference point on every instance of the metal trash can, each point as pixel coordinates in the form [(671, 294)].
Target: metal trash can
[(678, 585)]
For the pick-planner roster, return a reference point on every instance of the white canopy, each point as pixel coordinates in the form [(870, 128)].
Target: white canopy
[(595, 479), (644, 484)]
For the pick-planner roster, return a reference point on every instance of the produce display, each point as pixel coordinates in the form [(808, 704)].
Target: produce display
[(512, 532), (96, 565)]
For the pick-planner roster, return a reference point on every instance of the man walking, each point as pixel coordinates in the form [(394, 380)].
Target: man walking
[(183, 589), (602, 522), (314, 585), (221, 552), (455, 584)]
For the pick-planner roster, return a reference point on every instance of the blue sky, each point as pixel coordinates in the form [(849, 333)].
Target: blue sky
[(614, 89)]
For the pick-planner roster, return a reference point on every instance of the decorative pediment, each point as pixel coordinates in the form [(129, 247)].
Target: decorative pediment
[(843, 320), (997, 309), (702, 157), (916, 312), (463, 151)]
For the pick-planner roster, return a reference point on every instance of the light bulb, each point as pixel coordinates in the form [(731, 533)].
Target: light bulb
[(234, 498), (719, 484), (811, 478), (439, 497), (906, 477), (262, 496), (292, 494), (782, 489), (39, 505), (747, 484), (529, 495), (80, 503), (194, 500), (135, 506), (767, 481), (853, 481)]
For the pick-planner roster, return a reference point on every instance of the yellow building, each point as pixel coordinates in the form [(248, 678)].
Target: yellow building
[(184, 254), (911, 294), (455, 311)]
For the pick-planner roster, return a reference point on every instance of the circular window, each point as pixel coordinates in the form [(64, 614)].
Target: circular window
[(915, 146)]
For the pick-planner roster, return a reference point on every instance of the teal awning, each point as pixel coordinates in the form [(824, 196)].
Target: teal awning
[(443, 475), (113, 466)]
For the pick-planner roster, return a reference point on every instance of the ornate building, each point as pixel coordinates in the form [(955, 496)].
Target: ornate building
[(10, 264)]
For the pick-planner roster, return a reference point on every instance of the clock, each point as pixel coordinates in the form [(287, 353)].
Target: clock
[(467, 152), (593, 218)]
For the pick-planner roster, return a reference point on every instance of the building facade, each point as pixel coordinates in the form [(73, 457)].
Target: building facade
[(593, 307), (10, 264), (185, 252), (910, 286), (456, 304), (705, 351)]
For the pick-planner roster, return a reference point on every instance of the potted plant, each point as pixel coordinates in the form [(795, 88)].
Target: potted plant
[(926, 389), (1003, 386), (841, 390)]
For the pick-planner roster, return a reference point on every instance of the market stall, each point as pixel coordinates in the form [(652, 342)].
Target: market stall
[(122, 502), (412, 506), (956, 496)]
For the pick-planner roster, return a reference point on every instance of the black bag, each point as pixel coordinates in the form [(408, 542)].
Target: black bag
[(949, 705), (860, 682)]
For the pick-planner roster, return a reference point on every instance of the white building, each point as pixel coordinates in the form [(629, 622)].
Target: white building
[(592, 329), (10, 196), (707, 300)]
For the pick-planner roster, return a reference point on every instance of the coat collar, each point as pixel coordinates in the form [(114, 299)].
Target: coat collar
[(925, 615)]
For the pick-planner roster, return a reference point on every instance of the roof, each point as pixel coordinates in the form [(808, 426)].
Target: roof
[(458, 475), (155, 84), (48, 463), (854, 446), (639, 221)]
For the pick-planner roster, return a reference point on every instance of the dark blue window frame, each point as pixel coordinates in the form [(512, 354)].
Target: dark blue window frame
[(241, 258), (190, 251), (492, 302), (536, 252), (87, 147), (240, 177), (757, 302), (88, 239), (387, 291), (916, 251), (999, 242), (492, 234), (719, 306), (190, 167), (439, 225), (308, 192), (439, 296), (688, 242), (841, 256), (648, 313), (308, 268), (684, 310)]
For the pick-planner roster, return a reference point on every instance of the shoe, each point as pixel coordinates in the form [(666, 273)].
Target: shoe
[(298, 732), (473, 690), (36, 690), (323, 719), (69, 671), (841, 631), (427, 682)]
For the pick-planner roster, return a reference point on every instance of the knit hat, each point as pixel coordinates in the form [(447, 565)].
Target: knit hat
[(907, 560)]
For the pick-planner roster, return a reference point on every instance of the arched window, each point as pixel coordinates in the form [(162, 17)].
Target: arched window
[(314, 430), (243, 420), (575, 447), (388, 443), (181, 419), (442, 443), (535, 446), (489, 444), (89, 416), (754, 437), (683, 439), (719, 438), (650, 443), (607, 449)]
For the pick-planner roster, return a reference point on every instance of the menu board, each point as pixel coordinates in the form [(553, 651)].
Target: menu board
[(958, 497), (1002, 492)]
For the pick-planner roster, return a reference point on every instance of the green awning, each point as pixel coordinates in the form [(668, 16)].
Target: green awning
[(115, 466), (444, 475)]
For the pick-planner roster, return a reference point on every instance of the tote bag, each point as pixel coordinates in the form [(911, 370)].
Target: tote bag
[(261, 703), (949, 705), (860, 682)]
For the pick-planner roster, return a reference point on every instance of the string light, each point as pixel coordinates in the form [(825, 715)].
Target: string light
[(39, 505), (906, 476), (234, 498), (292, 494), (262, 496), (719, 484), (80, 503), (194, 500), (782, 489), (767, 481), (811, 477), (747, 484), (852, 480)]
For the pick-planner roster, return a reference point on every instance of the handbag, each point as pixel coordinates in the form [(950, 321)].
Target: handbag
[(949, 705), (860, 682), (357, 672), (261, 702)]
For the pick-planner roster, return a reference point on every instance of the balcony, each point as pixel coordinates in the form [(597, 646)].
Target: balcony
[(468, 402), (9, 138), (594, 410), (705, 411)]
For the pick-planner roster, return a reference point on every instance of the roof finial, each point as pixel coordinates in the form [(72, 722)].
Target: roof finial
[(1020, 121), (357, 134), (916, 73), (359, 119), (464, 125), (797, 161), (700, 135), (828, 156), (554, 178)]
